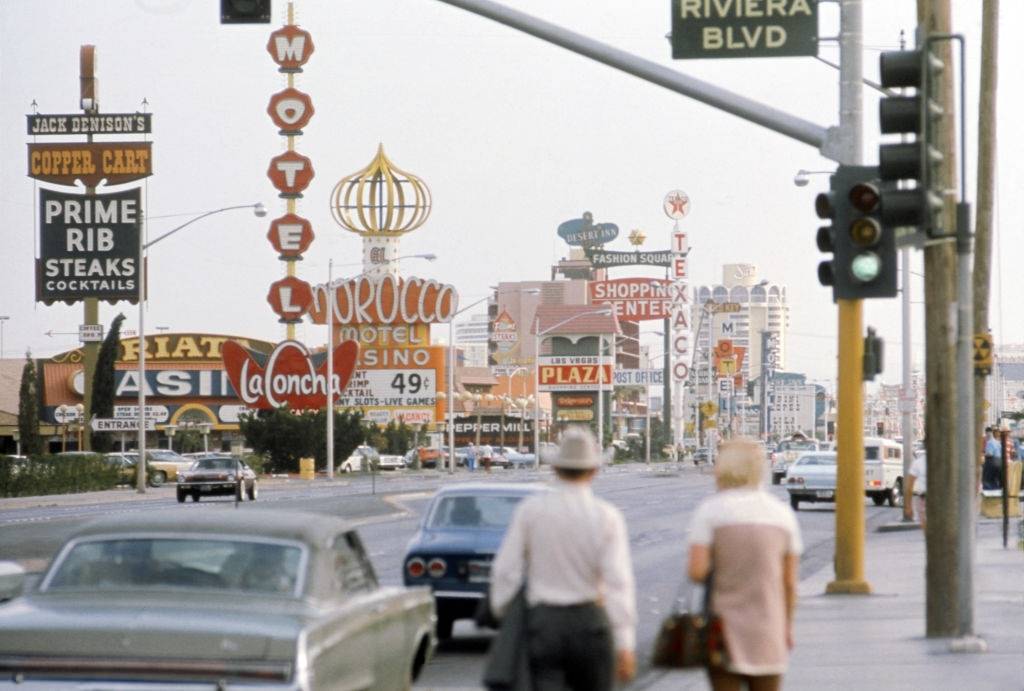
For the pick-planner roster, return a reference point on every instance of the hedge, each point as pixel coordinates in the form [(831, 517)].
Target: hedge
[(41, 475)]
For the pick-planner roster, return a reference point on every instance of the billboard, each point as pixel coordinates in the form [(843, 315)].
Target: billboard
[(88, 246), (634, 299), (574, 372)]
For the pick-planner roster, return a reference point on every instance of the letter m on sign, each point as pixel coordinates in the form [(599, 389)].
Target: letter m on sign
[(290, 47)]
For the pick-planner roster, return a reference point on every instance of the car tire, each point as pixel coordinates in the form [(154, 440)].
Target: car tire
[(195, 497), (895, 494), (878, 498), (794, 502), (253, 492), (444, 628), (181, 496), (157, 478)]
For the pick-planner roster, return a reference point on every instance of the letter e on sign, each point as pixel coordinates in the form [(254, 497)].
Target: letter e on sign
[(290, 235), (290, 47), (290, 110), (290, 298), (679, 267), (290, 173)]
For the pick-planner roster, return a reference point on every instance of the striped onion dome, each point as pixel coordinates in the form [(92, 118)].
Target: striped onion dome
[(380, 199)]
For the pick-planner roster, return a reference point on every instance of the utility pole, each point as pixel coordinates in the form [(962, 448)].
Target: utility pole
[(89, 104), (908, 400), (985, 194), (849, 556), (943, 547)]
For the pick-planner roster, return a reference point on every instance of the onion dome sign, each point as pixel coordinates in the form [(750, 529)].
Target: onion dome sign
[(584, 232), (289, 376)]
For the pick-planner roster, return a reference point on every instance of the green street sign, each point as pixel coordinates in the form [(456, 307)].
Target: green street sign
[(744, 28)]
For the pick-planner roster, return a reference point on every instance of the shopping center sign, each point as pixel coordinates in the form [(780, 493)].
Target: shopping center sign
[(634, 299)]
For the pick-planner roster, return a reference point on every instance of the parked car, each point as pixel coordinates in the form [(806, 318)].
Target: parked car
[(360, 459), (217, 475), (127, 471), (426, 455), (213, 599), (812, 478), (162, 465), (508, 457), (787, 451), (702, 455), (456, 542)]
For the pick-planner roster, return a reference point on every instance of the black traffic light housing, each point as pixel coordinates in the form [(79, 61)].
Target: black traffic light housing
[(874, 355), (244, 11), (864, 251), (915, 207)]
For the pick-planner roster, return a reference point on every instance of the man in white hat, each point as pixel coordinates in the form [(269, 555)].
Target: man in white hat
[(572, 551)]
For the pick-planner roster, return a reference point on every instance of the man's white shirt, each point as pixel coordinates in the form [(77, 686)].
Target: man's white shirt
[(570, 547)]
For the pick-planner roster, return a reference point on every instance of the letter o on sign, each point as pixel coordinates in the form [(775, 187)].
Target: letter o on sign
[(681, 371)]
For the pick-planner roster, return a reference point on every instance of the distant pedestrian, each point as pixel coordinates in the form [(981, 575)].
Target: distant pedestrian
[(471, 457), (748, 543), (486, 454), (571, 550), (917, 486), (992, 468)]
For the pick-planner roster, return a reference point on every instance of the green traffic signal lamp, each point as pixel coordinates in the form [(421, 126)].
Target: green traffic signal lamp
[(866, 267)]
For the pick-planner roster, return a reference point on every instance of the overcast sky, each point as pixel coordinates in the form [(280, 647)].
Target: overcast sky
[(512, 135)]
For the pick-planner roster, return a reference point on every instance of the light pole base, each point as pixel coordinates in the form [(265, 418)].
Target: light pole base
[(968, 644), (848, 587)]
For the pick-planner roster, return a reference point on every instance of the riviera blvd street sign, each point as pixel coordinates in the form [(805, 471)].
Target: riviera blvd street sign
[(744, 28)]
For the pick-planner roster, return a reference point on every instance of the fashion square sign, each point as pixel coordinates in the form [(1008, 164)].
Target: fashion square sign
[(89, 246)]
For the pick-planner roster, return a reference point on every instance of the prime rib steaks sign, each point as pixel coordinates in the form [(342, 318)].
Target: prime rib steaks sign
[(290, 376), (89, 246)]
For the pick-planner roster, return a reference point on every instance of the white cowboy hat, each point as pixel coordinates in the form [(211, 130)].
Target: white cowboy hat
[(578, 450)]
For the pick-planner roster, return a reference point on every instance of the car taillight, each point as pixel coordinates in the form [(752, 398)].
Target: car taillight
[(876, 483), (437, 567), (415, 567), (795, 481)]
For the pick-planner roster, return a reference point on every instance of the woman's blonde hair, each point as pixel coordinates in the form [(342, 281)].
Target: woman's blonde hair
[(740, 463)]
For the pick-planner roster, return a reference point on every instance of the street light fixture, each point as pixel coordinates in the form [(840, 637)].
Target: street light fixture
[(260, 211), (537, 335), (330, 350), (801, 178)]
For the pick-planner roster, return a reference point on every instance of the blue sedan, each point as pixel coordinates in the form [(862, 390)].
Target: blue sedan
[(453, 549)]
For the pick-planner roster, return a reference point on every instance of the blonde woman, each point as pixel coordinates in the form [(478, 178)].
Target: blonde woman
[(749, 543)]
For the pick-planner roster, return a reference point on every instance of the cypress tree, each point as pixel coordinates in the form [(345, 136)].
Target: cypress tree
[(103, 384), (28, 409)]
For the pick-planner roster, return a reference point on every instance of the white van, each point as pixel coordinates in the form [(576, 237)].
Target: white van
[(883, 470)]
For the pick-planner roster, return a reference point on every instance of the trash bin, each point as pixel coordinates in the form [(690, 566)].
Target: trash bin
[(306, 468)]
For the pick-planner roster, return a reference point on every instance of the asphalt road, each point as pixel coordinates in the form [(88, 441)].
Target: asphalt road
[(656, 503)]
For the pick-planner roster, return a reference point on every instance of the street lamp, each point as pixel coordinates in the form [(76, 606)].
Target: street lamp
[(329, 304), (260, 211), (169, 430), (3, 318), (537, 335), (801, 178)]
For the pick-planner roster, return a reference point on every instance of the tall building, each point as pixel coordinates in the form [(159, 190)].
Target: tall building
[(471, 337), (740, 309)]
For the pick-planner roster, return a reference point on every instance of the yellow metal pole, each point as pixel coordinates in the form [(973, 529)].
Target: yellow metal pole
[(849, 562)]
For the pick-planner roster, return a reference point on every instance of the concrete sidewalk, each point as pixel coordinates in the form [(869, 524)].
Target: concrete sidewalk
[(877, 641)]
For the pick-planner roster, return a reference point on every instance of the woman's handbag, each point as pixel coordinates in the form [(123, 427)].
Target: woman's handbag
[(690, 639)]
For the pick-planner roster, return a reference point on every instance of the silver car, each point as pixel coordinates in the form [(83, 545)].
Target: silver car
[(222, 599), (812, 478)]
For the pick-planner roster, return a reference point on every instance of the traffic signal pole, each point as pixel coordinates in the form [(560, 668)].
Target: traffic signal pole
[(849, 556)]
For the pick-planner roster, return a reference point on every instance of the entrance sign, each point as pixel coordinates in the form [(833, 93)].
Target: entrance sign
[(106, 424), (289, 376), (78, 123), (744, 28), (159, 413), (89, 246), (115, 162)]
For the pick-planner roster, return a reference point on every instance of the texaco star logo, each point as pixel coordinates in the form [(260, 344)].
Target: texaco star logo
[(676, 204)]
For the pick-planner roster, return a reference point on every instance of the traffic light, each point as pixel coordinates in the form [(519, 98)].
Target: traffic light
[(244, 11), (874, 355), (864, 252), (915, 207)]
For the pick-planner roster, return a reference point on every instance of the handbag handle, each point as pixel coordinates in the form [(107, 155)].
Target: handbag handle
[(705, 601)]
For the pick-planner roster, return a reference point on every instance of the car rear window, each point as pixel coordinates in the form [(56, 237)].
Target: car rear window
[(828, 459), (118, 564), (474, 511), (215, 464)]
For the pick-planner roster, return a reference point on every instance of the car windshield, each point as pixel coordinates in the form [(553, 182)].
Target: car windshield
[(798, 445), (480, 511), (117, 564), (817, 459), (215, 464), (166, 456)]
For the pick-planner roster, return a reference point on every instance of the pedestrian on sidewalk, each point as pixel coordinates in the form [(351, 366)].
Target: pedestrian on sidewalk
[(992, 468), (471, 457), (917, 487), (486, 453), (571, 551), (748, 543)]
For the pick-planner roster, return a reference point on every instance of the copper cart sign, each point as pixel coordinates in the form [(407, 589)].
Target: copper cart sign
[(115, 162)]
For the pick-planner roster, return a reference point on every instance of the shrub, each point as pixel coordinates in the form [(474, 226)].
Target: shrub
[(41, 475)]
